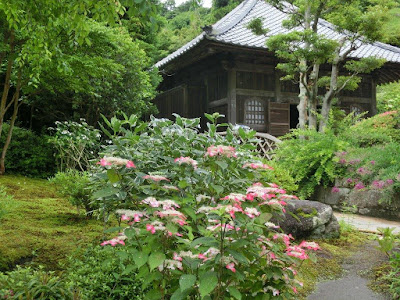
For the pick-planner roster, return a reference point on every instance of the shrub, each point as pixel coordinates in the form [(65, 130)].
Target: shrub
[(29, 154), (309, 157), (379, 129), (29, 284), (75, 143), (101, 273), (198, 208), (376, 167), (73, 185)]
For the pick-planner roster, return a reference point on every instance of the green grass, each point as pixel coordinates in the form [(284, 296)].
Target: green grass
[(40, 227)]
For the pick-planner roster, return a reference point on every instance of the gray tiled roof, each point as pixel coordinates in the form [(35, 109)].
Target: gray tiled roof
[(232, 29)]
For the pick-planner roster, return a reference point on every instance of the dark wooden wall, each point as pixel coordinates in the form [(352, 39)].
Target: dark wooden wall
[(231, 83)]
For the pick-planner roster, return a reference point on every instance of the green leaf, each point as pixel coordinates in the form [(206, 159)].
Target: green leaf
[(208, 241), (190, 212), (113, 176), (208, 282), (140, 259), (209, 117), (223, 165), (235, 293), (182, 184), (156, 259), (177, 295), (172, 228), (187, 281), (128, 269), (153, 295), (106, 192), (242, 133), (219, 189)]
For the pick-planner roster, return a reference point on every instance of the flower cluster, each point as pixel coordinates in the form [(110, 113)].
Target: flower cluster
[(221, 150), (186, 160), (116, 161), (257, 165), (156, 178)]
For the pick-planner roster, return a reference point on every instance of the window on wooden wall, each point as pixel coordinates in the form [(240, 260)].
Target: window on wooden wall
[(356, 109), (254, 112)]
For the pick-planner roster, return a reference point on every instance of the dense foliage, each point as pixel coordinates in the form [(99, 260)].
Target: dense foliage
[(75, 144), (26, 283), (29, 154), (309, 157), (364, 155), (198, 208), (73, 185), (102, 273)]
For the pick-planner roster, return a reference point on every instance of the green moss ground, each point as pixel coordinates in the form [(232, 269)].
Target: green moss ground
[(39, 226)]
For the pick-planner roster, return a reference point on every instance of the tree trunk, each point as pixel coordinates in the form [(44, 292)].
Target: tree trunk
[(10, 130), (303, 95), (302, 107), (313, 101), (7, 82), (330, 94)]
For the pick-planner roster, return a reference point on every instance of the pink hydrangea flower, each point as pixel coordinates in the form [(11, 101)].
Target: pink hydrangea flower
[(186, 160), (221, 150), (257, 166), (310, 245), (113, 242), (156, 177), (177, 257), (125, 218), (130, 164), (103, 162), (296, 251), (150, 228), (231, 266), (203, 257)]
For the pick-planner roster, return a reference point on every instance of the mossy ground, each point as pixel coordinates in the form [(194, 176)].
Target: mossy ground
[(39, 226), (327, 262)]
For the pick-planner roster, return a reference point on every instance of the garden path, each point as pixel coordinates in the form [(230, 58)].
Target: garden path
[(353, 285), (368, 224)]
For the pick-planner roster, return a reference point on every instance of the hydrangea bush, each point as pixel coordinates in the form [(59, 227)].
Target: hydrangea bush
[(196, 210)]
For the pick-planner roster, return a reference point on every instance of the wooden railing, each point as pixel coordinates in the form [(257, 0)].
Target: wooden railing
[(266, 144)]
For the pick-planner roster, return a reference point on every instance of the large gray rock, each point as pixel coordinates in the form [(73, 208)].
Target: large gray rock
[(309, 219)]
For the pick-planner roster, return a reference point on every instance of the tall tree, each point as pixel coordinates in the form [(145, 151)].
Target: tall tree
[(31, 35), (303, 50)]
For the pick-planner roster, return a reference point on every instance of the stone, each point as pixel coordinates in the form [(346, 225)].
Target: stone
[(364, 211), (308, 219), (325, 195)]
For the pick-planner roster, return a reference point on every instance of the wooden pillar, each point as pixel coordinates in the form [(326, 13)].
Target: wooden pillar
[(278, 97), (373, 97), (231, 96)]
